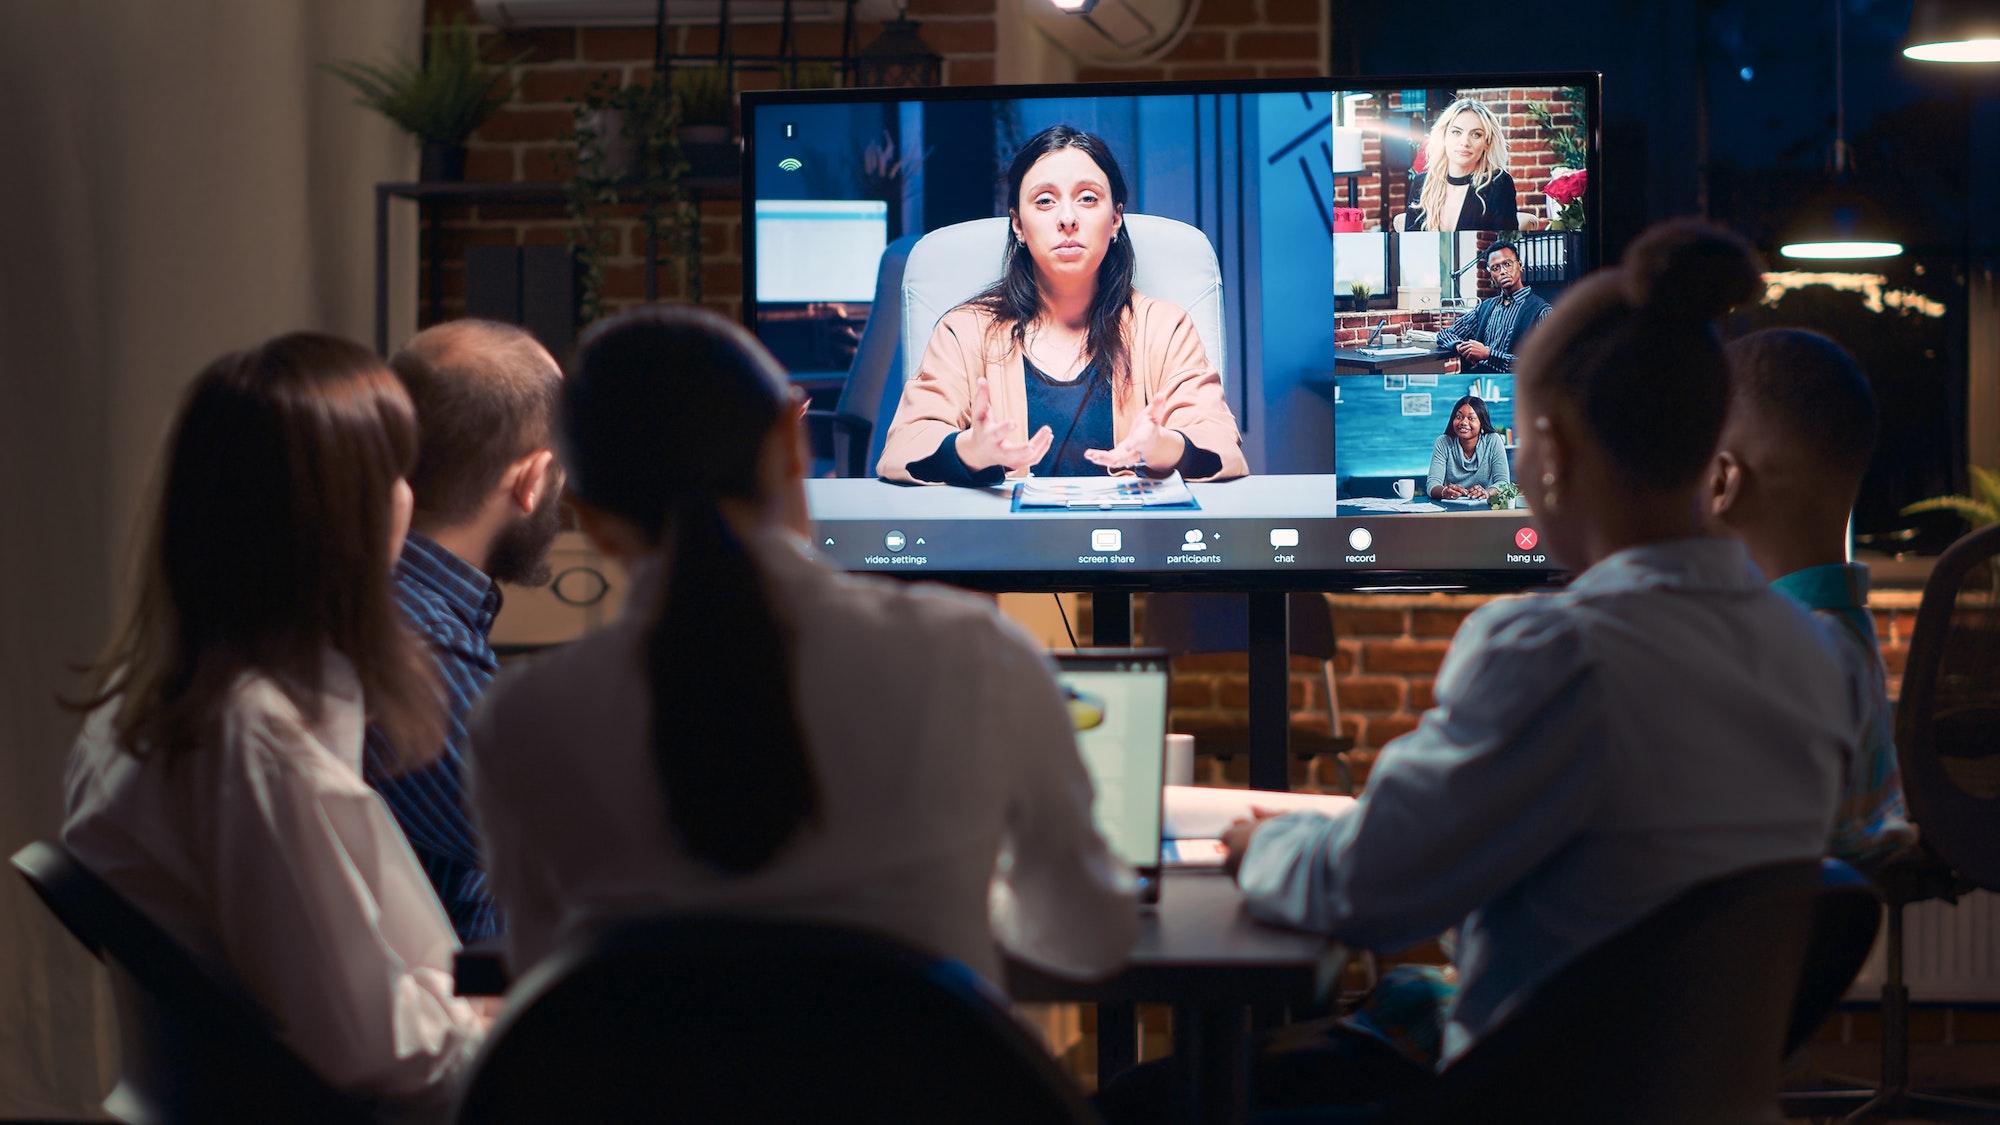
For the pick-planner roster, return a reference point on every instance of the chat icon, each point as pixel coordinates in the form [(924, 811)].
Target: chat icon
[(1284, 537)]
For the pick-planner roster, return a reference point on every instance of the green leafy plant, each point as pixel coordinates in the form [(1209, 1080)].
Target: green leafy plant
[(1362, 292), (703, 95), (808, 76), (626, 150), (1564, 140), (443, 99), (1502, 495), (1979, 509)]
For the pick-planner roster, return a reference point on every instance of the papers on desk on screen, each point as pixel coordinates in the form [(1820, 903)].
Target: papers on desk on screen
[(1395, 351), (1389, 504), (1102, 493), (1197, 815)]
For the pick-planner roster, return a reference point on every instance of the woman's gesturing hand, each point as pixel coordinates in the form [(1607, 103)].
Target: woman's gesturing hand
[(1147, 445), (988, 441)]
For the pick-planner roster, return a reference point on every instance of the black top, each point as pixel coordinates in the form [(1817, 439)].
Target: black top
[(1490, 208)]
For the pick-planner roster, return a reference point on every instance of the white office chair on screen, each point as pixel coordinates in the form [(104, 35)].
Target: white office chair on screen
[(1175, 262)]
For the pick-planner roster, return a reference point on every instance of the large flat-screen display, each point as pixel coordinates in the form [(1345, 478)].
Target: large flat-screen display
[(1312, 386)]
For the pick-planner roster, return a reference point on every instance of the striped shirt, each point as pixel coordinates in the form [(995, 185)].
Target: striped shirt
[(451, 605), (1492, 324)]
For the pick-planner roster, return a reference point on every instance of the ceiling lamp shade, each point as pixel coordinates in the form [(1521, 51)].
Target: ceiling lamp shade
[(899, 57), (1954, 31), (1840, 223)]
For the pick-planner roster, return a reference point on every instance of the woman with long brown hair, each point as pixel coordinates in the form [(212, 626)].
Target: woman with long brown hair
[(216, 783), (1061, 367)]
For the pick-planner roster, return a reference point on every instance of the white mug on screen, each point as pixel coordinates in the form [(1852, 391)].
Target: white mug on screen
[(1180, 759), (1406, 488)]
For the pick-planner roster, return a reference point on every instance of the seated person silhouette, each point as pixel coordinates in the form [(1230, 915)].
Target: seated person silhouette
[(1802, 424), (759, 733)]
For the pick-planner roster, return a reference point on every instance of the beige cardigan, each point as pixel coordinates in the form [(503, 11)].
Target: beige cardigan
[(1167, 362)]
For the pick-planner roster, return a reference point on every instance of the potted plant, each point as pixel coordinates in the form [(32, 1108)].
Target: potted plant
[(705, 101), (440, 101), (625, 149), (1979, 509), (1361, 293)]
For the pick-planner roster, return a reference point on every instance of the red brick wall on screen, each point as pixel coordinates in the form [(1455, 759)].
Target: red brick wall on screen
[(523, 141)]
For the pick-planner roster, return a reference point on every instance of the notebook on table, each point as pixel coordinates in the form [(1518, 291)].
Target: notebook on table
[(1118, 704)]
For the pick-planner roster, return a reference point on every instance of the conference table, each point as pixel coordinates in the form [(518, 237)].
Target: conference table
[(1197, 951)]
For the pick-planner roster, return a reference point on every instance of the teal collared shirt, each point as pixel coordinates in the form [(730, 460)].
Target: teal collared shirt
[(1873, 821)]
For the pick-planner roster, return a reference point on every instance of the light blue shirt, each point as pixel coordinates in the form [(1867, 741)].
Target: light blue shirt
[(1486, 467), (1664, 720)]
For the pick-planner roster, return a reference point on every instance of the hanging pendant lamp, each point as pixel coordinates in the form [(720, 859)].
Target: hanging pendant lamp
[(1954, 31), (1840, 222)]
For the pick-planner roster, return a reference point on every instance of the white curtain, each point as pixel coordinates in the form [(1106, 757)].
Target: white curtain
[(176, 180)]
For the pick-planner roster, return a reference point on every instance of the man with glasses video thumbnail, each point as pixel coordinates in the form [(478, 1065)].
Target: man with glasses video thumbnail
[(1488, 338)]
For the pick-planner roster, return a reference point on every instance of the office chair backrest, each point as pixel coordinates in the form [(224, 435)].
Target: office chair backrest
[(192, 1047), (1948, 716), (1680, 1017), (711, 1019), (1846, 917), (878, 358), (1173, 262)]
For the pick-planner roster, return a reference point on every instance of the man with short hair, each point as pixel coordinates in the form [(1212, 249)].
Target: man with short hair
[(1802, 424), (1489, 337), (487, 507)]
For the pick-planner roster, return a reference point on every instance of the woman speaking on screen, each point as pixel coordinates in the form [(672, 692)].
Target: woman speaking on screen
[(1061, 368)]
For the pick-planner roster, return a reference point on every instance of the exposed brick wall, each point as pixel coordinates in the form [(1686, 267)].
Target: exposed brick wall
[(1236, 39), (522, 142), (1390, 648)]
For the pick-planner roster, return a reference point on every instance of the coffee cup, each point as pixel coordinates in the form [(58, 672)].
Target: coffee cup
[(1180, 759), (1406, 488)]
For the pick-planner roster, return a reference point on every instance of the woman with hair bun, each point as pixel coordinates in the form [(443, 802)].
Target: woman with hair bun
[(1665, 720), (758, 733)]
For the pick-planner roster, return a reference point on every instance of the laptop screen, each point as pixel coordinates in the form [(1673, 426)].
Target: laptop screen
[(1118, 701)]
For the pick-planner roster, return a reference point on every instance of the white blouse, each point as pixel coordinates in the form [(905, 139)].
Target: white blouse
[(954, 809), (270, 859)]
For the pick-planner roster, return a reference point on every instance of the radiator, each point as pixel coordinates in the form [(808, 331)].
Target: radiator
[(1951, 954)]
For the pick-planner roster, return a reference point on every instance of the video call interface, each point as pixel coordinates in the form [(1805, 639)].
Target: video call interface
[(1381, 255)]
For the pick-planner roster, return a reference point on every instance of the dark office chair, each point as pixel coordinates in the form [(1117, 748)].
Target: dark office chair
[(1191, 624), (1948, 748), (1845, 919), (192, 1047), (714, 1019), (1678, 1018), (847, 439)]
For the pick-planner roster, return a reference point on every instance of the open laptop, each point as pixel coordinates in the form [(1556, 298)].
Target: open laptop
[(1118, 703)]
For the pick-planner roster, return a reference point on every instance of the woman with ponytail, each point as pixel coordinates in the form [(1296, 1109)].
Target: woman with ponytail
[(759, 733), (1665, 720)]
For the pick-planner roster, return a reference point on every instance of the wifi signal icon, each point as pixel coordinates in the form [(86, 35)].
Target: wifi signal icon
[(790, 164)]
